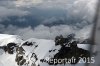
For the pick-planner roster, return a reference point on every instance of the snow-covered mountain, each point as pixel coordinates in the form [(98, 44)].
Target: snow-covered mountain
[(8, 44), (35, 52), (5, 39)]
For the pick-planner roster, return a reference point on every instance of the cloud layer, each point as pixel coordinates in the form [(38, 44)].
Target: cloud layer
[(5, 12), (44, 32), (47, 18)]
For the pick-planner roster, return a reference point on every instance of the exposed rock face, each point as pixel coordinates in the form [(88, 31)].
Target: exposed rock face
[(26, 59), (69, 49), (66, 52), (28, 43), (20, 56), (10, 48)]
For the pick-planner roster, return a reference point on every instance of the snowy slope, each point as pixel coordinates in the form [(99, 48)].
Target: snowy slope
[(30, 51), (7, 59), (41, 47), (5, 39)]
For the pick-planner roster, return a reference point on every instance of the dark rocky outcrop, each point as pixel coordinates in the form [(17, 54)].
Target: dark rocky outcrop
[(10, 48), (21, 58), (69, 51), (28, 43)]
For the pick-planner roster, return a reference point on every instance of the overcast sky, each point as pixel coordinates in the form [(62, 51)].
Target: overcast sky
[(46, 18)]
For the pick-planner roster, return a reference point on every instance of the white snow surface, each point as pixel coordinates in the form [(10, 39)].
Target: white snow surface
[(5, 39)]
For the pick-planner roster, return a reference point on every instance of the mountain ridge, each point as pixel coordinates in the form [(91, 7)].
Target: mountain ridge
[(31, 52)]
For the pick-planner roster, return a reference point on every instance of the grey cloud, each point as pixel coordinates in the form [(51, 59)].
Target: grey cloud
[(44, 32), (54, 21), (8, 8), (4, 12), (72, 10)]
